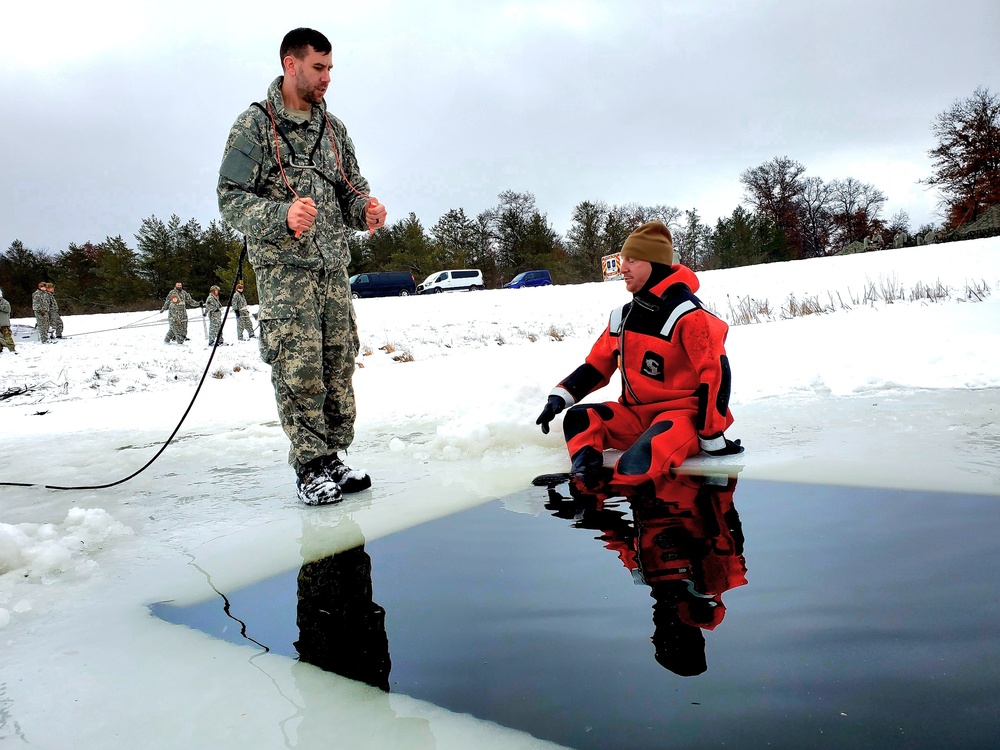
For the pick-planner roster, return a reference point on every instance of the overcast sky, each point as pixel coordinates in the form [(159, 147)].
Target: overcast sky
[(116, 111)]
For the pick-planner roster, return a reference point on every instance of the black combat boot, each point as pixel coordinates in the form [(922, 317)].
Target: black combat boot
[(348, 479), (315, 486)]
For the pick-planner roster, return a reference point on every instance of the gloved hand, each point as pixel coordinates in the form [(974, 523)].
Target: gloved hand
[(204, 312), (555, 405), (732, 448)]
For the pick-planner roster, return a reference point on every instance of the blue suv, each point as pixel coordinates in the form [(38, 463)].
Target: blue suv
[(529, 278)]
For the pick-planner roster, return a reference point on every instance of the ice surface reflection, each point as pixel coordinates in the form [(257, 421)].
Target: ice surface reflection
[(683, 539), (869, 614)]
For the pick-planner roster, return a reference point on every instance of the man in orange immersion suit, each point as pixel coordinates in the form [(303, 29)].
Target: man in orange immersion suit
[(675, 375)]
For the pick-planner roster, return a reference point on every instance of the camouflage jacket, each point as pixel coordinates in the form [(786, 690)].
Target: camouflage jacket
[(212, 305), (177, 313), (186, 299), (253, 196), (53, 305), (4, 312), (40, 301), (239, 304)]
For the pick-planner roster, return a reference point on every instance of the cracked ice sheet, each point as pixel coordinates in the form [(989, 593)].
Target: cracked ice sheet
[(895, 396)]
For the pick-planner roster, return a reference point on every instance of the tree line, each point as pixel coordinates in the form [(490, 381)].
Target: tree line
[(786, 215), (111, 276)]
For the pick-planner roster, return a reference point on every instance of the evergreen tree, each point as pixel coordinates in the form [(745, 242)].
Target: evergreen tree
[(21, 269), (412, 249), (693, 243), (119, 283), (746, 239), (76, 272), (158, 261), (221, 242), (586, 241), (485, 252), (511, 219), (454, 239)]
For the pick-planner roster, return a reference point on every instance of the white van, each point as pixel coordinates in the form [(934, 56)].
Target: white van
[(452, 281)]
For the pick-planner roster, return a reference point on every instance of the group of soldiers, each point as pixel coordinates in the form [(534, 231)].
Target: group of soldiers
[(179, 300), (48, 322)]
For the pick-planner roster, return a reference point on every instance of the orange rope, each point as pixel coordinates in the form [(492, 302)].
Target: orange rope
[(336, 155)]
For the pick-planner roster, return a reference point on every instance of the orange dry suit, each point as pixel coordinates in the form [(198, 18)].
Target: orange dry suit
[(676, 382)]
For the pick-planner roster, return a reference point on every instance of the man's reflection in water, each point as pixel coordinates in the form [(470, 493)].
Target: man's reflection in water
[(684, 541), (341, 628)]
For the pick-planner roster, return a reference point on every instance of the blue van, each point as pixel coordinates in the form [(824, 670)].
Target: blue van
[(529, 278)]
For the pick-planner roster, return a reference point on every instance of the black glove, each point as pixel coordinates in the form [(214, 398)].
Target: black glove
[(732, 448), (555, 405)]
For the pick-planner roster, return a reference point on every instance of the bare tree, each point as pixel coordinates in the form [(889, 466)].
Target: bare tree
[(816, 217), (773, 190), (966, 160), (856, 207)]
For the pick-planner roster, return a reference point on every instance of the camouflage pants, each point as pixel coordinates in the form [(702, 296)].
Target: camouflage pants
[(214, 324), (56, 322), (309, 336), (42, 326), (6, 338), (178, 331), (243, 323)]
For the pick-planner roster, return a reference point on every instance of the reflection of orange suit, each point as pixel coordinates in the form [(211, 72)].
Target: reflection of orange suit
[(676, 382), (692, 536), (686, 543)]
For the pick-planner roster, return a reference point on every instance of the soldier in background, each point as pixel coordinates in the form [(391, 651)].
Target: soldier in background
[(177, 319), (40, 306), (213, 308), (55, 319), (185, 297), (243, 320), (6, 337)]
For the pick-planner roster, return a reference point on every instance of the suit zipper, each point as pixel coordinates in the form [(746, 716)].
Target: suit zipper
[(626, 388)]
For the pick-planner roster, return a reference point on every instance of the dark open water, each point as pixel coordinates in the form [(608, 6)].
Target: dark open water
[(751, 614)]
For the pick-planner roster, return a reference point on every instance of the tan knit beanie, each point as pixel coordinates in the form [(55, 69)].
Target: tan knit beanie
[(652, 242)]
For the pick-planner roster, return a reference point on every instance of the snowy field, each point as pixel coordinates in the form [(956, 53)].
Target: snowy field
[(893, 382)]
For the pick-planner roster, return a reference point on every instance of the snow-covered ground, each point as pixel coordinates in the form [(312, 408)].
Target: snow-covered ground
[(877, 388)]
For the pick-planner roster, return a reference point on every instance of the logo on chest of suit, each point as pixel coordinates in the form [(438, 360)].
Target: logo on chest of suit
[(652, 366)]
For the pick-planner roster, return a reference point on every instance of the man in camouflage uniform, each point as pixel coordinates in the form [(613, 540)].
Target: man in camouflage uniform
[(40, 305), (185, 300), (213, 308), (55, 319), (243, 320), (177, 319), (6, 337), (290, 183), (183, 294)]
